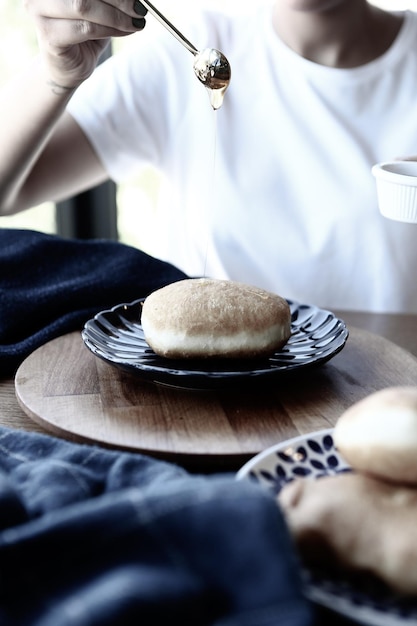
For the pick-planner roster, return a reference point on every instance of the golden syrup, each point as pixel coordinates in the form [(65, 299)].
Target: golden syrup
[(216, 96), (213, 70), (213, 187)]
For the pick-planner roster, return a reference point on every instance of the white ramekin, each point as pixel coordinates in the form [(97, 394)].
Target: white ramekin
[(396, 184)]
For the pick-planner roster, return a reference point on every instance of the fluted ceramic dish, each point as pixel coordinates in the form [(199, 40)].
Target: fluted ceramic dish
[(116, 336)]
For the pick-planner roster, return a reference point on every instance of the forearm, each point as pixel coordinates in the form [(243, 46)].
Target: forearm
[(43, 153), (30, 108)]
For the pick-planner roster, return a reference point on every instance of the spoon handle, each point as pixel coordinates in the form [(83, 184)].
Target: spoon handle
[(165, 22)]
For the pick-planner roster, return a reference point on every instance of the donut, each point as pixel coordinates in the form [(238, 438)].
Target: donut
[(355, 523), (202, 318), (378, 434)]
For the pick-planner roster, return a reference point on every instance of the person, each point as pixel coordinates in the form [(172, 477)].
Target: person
[(275, 188)]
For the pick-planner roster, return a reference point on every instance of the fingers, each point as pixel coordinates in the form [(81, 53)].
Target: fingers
[(61, 33), (75, 21), (72, 33), (139, 9)]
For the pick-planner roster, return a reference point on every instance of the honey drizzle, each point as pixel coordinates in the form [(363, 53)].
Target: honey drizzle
[(213, 195)]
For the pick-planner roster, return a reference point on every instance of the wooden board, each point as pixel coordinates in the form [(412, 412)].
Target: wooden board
[(73, 394)]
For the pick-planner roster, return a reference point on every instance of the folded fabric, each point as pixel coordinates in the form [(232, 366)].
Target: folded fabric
[(50, 286), (94, 537)]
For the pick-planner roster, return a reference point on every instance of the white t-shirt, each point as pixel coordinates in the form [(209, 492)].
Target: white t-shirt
[(275, 188)]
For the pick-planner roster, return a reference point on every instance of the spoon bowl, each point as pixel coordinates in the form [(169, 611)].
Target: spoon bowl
[(210, 65), (213, 69)]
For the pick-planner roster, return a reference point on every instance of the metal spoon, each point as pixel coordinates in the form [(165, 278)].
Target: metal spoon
[(210, 65)]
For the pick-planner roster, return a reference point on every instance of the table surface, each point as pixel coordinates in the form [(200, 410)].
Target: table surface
[(70, 391), (399, 329)]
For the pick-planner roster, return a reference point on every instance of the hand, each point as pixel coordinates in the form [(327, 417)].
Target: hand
[(72, 34)]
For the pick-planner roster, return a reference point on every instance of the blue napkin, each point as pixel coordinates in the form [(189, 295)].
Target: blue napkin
[(92, 537), (50, 286)]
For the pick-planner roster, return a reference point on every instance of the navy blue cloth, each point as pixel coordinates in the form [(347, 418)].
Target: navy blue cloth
[(50, 286), (95, 537)]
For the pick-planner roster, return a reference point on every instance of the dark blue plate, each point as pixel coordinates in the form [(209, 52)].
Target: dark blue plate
[(116, 336)]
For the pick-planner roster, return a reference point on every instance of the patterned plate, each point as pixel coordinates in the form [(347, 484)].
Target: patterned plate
[(117, 337), (313, 456)]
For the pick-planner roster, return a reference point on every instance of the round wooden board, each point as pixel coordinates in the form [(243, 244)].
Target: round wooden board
[(73, 394)]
